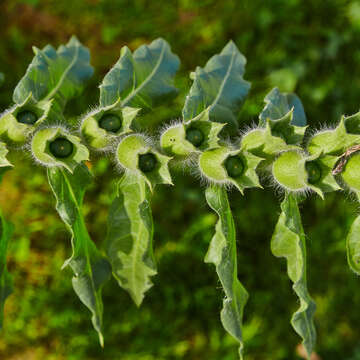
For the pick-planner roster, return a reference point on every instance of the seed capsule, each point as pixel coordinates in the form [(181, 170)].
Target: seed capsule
[(61, 148), (314, 172), (110, 122), (351, 173), (147, 162), (234, 166), (195, 136), (26, 117), (289, 170)]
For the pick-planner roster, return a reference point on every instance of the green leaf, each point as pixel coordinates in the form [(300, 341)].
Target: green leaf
[(222, 253), (279, 104), (288, 241), (129, 238), (141, 79), (2, 79), (91, 269), (59, 75), (219, 88), (4, 162), (6, 282), (353, 246)]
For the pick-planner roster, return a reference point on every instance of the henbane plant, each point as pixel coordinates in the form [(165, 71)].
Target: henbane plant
[(207, 141)]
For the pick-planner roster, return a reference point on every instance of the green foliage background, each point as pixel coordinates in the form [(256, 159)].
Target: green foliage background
[(310, 47)]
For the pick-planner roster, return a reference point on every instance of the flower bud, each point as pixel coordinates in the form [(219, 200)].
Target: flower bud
[(55, 146), (226, 166), (21, 120), (194, 136), (137, 155), (277, 135), (296, 172), (101, 127)]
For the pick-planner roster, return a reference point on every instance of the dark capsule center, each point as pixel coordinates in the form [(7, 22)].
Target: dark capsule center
[(195, 136), (110, 122), (234, 166), (147, 162), (314, 172), (61, 148), (26, 117)]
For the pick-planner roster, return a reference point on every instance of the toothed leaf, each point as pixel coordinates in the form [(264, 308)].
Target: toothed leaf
[(279, 104), (222, 253), (288, 241), (219, 88), (91, 269), (141, 79), (129, 238), (56, 74)]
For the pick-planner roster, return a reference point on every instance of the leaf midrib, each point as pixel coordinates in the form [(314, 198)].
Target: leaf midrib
[(222, 86), (156, 67), (63, 76)]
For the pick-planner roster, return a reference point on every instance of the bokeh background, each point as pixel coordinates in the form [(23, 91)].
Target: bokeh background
[(310, 47)]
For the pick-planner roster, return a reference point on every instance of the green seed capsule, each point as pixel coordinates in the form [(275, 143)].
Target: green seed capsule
[(313, 171), (289, 170), (26, 117), (61, 148), (147, 162), (195, 136), (110, 122), (234, 166), (351, 173)]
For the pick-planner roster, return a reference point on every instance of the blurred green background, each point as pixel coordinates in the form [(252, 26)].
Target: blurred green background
[(310, 47)]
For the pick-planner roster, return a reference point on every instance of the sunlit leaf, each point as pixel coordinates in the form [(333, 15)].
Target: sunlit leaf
[(222, 253), (219, 88), (56, 74), (288, 241), (91, 269), (130, 233), (143, 78)]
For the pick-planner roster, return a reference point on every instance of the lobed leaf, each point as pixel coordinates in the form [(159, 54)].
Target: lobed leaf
[(129, 238), (91, 269), (56, 74), (279, 104), (222, 253), (141, 79), (219, 88), (288, 241)]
